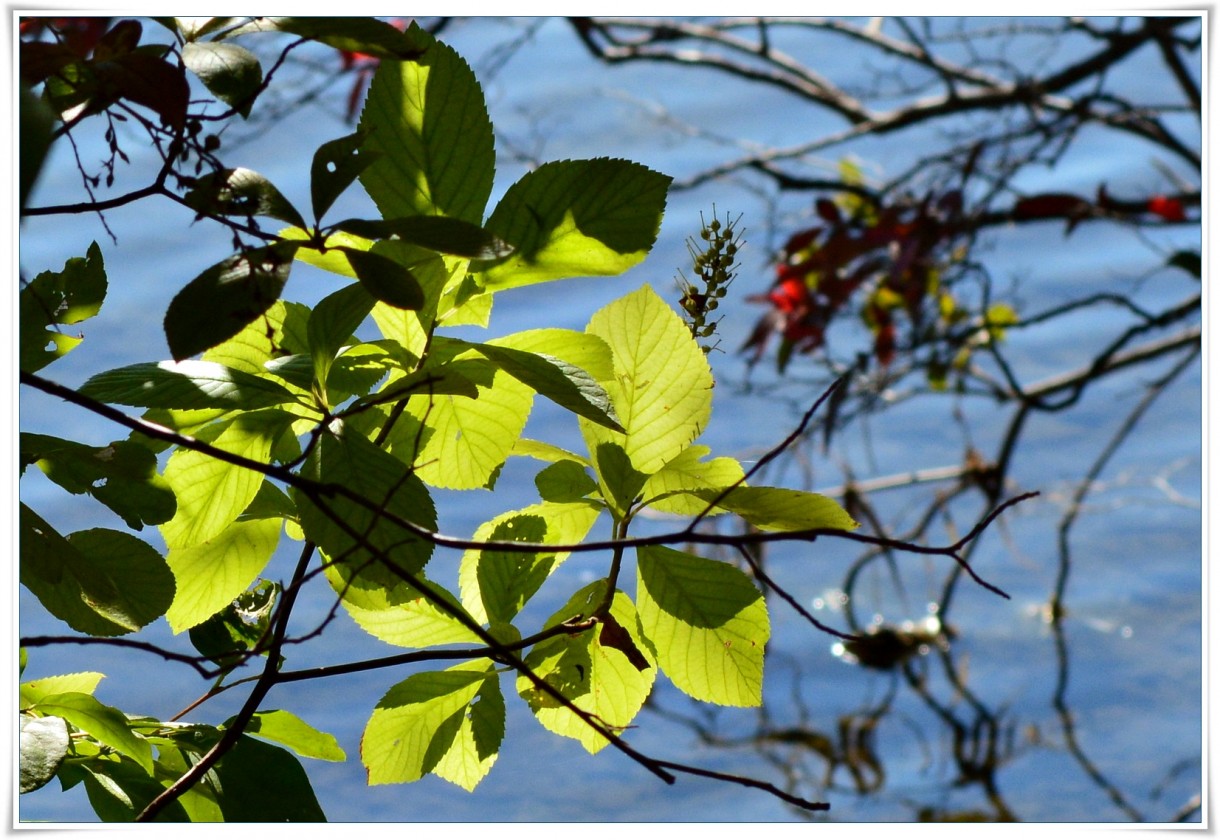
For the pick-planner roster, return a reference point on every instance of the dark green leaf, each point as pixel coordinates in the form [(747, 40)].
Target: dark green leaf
[(217, 304), (259, 782), (101, 582), (36, 123), (230, 72), (66, 297), (44, 743), (1189, 261), (564, 481), (436, 233), (385, 279), (121, 475), (335, 166), (190, 384), (332, 323), (621, 483), (562, 383), (119, 789), (241, 192)]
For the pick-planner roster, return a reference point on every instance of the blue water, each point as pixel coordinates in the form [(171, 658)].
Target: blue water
[(1134, 597)]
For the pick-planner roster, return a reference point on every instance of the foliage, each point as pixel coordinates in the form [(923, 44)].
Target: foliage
[(276, 423)]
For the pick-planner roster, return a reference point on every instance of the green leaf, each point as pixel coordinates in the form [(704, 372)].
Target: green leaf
[(781, 509), (496, 584), (105, 723), (619, 482), (385, 279), (44, 744), (119, 789), (663, 385), (565, 481), (545, 452), (357, 370), (599, 678), (280, 331), (190, 384), (217, 304), (84, 682), (211, 574), (240, 192), (580, 349), (37, 121), (53, 298), (707, 623), (101, 582), (398, 613), (288, 729), (576, 219), (230, 72), (344, 528), (200, 803), (669, 490), (470, 437), (259, 782), (332, 323), (1189, 261), (335, 166), (121, 475), (562, 383), (427, 120), (436, 233), (435, 723), (212, 493)]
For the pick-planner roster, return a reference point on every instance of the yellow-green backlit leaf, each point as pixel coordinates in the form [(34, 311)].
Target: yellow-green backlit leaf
[(707, 622), (211, 574), (662, 385)]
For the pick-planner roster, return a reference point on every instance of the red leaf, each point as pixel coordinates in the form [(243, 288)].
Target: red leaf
[(883, 346), (828, 210), (790, 295), (801, 240), (148, 81), (1169, 209), (1051, 206), (122, 39)]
